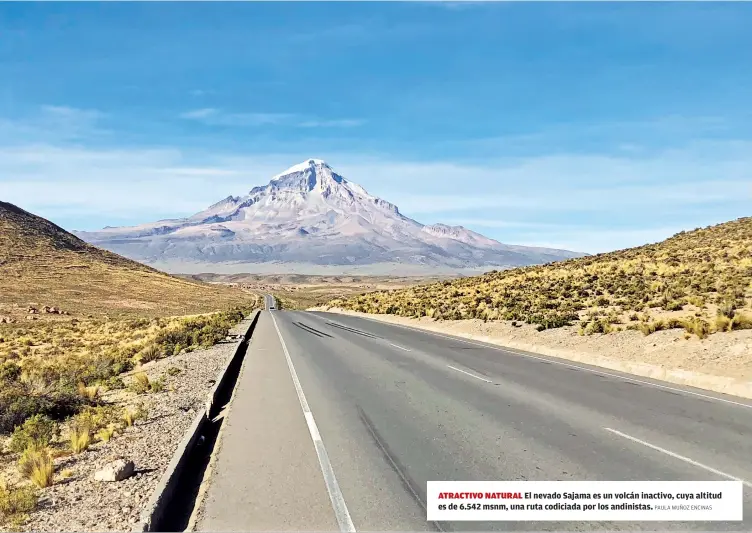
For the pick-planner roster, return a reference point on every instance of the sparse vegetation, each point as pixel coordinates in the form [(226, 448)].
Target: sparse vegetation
[(80, 436), (109, 315), (16, 503), (706, 269), (131, 414), (105, 434), (36, 465), (71, 364), (74, 320), (140, 383), (38, 430)]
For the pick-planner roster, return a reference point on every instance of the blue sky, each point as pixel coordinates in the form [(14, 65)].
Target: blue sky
[(589, 126)]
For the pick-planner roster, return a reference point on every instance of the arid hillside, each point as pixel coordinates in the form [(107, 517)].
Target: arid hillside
[(81, 332), (697, 280), (43, 265)]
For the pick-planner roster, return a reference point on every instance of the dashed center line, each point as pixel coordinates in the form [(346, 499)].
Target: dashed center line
[(400, 347), (561, 363), (469, 374)]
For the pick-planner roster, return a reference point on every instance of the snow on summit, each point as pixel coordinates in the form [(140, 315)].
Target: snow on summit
[(310, 215)]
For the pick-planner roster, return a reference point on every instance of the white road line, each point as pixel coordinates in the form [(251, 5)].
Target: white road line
[(677, 456), (556, 362), (400, 347), (469, 374), (390, 343), (335, 494)]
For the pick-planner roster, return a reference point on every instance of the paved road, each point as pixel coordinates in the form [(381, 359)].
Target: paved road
[(388, 408)]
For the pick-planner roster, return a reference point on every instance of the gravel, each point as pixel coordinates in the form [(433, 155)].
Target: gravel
[(82, 504)]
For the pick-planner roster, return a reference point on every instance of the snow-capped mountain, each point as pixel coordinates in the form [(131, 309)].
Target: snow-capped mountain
[(311, 218)]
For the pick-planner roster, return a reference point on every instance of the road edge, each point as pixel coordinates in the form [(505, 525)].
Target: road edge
[(169, 482)]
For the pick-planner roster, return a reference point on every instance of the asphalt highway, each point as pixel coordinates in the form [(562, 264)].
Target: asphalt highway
[(338, 422)]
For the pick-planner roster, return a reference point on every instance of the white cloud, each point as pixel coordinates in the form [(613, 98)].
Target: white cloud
[(51, 123), (343, 123), (216, 117), (199, 113)]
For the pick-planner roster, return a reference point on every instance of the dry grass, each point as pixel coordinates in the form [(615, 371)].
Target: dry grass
[(15, 504), (105, 434), (36, 465), (119, 314), (130, 415), (686, 281), (59, 368), (80, 437), (43, 264), (140, 383)]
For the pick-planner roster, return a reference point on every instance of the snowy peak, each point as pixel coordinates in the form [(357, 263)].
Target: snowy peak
[(310, 164), (314, 181), (310, 215)]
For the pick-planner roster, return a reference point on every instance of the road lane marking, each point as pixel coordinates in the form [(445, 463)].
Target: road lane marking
[(554, 361), (400, 347), (366, 334), (677, 456), (469, 374), (335, 494)]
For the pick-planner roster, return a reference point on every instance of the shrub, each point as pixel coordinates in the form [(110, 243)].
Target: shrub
[(36, 465), (96, 417), (722, 323), (16, 503), (173, 371), (114, 383), (727, 308), (38, 430), (697, 326), (157, 385), (150, 353), (17, 404), (10, 371), (140, 383), (741, 321)]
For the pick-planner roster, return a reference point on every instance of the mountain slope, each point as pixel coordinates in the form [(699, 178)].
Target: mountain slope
[(42, 264), (311, 215), (700, 280)]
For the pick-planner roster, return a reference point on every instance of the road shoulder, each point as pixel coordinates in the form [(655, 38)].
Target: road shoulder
[(267, 463)]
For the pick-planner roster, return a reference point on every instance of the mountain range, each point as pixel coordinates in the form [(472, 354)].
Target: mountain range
[(311, 219)]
